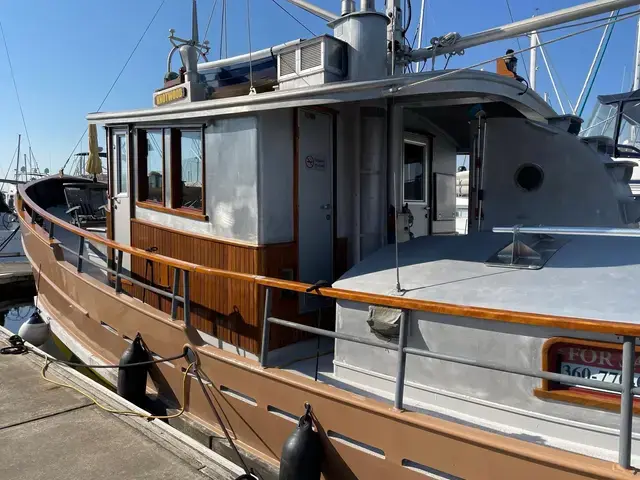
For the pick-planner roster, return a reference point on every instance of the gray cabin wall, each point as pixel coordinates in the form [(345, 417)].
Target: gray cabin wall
[(275, 186), (491, 341), (577, 189), (231, 176)]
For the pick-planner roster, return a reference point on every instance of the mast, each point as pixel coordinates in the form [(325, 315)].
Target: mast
[(25, 167), (533, 60), (18, 159), (522, 27)]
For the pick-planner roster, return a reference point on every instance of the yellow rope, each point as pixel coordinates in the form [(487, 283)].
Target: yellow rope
[(123, 412)]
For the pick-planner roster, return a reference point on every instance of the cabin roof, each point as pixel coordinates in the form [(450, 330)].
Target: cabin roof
[(593, 278), (470, 85)]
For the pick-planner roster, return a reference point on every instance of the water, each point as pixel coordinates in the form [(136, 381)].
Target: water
[(16, 315)]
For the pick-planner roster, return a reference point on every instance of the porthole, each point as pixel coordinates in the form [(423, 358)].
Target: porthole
[(529, 177)]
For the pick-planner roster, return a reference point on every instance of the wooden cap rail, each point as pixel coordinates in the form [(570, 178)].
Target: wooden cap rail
[(506, 316)]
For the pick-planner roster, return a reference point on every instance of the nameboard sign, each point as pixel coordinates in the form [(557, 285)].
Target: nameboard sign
[(170, 96)]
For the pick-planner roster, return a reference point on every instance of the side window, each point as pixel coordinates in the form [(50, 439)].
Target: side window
[(151, 165), (191, 169), (122, 165)]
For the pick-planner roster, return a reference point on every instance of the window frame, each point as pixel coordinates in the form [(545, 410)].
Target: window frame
[(176, 169), (424, 143), (143, 166), (119, 135), (171, 202)]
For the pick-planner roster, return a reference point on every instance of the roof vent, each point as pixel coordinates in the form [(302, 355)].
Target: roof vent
[(527, 251), (313, 62)]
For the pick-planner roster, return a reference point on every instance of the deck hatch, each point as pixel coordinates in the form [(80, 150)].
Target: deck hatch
[(527, 251)]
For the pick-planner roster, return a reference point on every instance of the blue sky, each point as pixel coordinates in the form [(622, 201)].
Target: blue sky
[(66, 54)]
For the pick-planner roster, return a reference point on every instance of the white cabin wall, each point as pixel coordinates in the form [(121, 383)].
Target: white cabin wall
[(574, 191), (275, 187), (231, 176), (487, 395)]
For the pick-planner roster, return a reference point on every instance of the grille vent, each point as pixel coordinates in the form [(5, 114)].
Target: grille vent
[(288, 63), (311, 56)]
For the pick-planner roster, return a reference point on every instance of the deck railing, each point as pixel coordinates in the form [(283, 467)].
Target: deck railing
[(628, 331)]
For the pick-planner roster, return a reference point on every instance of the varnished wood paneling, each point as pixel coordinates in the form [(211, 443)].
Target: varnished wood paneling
[(227, 308)]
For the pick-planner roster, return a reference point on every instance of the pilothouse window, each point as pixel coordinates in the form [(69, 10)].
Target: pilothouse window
[(191, 168), (151, 165)]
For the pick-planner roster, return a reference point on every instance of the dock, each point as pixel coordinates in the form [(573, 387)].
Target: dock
[(54, 433)]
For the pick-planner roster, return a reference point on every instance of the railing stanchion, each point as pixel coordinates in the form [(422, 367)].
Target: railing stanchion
[(80, 253), (119, 271), (175, 292), (264, 348), (51, 224), (187, 309), (398, 400), (626, 401)]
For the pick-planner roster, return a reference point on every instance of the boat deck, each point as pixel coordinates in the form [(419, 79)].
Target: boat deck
[(56, 433)]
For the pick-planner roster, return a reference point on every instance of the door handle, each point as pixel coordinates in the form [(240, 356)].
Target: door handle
[(326, 206)]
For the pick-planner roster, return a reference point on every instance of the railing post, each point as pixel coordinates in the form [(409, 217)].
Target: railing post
[(187, 309), (398, 400), (51, 225), (119, 272), (80, 253), (174, 293), (264, 348), (626, 401)]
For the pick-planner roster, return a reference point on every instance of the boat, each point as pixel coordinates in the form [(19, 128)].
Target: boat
[(244, 222)]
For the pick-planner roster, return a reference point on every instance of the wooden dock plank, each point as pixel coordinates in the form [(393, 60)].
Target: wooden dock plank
[(54, 433)]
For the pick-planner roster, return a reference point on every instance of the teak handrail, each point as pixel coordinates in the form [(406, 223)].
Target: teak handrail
[(492, 314)]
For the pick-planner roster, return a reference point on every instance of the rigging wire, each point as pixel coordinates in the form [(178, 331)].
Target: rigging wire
[(206, 31), (553, 68), (117, 78), (524, 64), (15, 87), (292, 16), (494, 59)]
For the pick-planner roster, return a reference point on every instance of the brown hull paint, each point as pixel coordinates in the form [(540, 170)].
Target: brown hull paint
[(80, 303)]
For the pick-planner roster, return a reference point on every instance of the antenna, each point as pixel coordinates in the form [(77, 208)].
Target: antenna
[(194, 23), (395, 236)]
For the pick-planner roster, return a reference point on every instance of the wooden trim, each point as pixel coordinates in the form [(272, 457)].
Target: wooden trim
[(176, 168), (578, 395), (204, 171), (179, 212), (237, 243), (296, 187), (132, 144), (492, 314)]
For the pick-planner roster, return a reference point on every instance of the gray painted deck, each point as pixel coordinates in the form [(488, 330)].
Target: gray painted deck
[(589, 277), (49, 432)]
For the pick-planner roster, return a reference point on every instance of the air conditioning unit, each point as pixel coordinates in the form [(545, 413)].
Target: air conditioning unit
[(316, 61)]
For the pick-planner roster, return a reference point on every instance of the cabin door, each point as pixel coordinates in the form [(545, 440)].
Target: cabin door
[(120, 201), (416, 167), (315, 201)]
